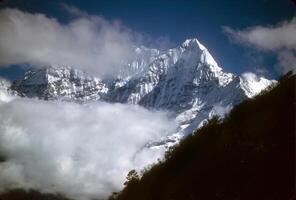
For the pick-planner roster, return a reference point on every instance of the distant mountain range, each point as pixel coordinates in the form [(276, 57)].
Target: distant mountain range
[(186, 81)]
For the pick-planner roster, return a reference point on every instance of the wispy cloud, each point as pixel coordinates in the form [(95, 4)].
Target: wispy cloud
[(279, 39), (90, 43), (74, 10)]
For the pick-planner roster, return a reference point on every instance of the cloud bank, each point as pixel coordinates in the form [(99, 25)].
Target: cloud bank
[(87, 42), (279, 39), (83, 151)]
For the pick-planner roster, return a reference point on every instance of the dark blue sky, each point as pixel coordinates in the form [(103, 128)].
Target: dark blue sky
[(179, 20)]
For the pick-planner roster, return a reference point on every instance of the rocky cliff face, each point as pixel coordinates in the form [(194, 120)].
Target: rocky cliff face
[(184, 80)]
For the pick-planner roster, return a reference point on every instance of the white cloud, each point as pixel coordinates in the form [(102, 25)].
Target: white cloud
[(4, 95), (279, 39), (269, 37), (90, 43), (83, 151), (249, 76)]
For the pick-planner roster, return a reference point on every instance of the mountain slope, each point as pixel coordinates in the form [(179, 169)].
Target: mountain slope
[(249, 155)]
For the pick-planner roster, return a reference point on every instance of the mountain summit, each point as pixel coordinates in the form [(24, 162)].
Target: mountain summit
[(185, 80)]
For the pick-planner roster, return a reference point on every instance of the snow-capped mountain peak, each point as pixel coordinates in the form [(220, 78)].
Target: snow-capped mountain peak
[(199, 53), (192, 43), (185, 80)]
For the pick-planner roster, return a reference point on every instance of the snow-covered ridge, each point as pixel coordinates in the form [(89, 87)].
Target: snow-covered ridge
[(185, 80), (253, 84)]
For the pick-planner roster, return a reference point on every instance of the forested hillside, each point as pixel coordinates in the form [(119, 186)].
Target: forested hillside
[(249, 155)]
